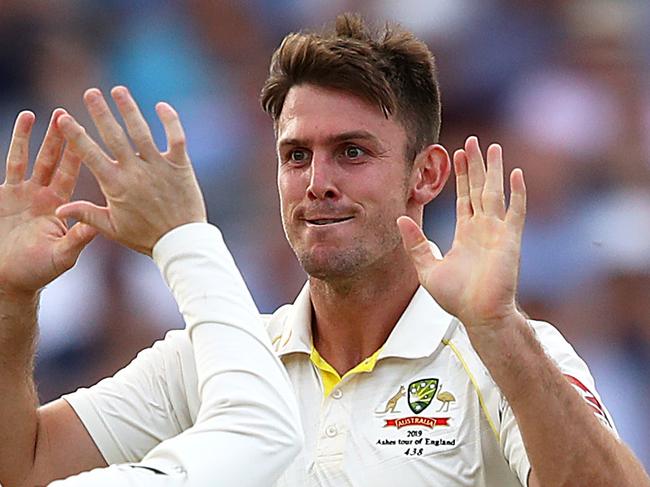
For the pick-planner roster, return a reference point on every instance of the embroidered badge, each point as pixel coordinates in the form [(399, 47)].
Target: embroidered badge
[(418, 433), (421, 393)]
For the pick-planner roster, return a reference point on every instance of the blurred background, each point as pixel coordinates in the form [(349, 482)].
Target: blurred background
[(563, 85)]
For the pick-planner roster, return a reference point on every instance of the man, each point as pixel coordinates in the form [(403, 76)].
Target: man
[(445, 383)]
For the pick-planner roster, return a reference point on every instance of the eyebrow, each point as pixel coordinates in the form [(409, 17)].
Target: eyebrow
[(351, 135)]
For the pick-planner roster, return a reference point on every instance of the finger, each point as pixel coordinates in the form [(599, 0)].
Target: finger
[(50, 152), (176, 147), (70, 246), (516, 214), (109, 129), (417, 246), (89, 213), (87, 150), (136, 125), (65, 178), (493, 195), (18, 155), (463, 204), (476, 171)]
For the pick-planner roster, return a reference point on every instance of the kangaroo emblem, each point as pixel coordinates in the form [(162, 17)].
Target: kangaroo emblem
[(391, 404)]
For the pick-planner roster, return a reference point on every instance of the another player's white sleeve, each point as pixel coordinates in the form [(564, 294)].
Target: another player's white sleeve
[(576, 372), (248, 427), (151, 399)]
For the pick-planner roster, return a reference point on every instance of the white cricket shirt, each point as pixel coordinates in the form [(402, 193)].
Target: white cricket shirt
[(245, 411), (423, 411)]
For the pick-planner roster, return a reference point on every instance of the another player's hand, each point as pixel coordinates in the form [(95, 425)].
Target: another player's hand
[(148, 193), (35, 245), (477, 279)]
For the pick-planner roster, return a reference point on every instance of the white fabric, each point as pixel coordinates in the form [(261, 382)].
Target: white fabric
[(352, 436), (245, 425), (355, 436)]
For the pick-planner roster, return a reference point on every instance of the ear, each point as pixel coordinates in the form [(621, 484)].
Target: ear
[(429, 174)]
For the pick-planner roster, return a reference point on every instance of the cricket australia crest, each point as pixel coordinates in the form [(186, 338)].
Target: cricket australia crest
[(420, 394)]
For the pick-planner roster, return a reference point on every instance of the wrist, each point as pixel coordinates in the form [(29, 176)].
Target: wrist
[(19, 296), (496, 326), (170, 228), (18, 315), (183, 237), (506, 343), (493, 321), (510, 351), (502, 342)]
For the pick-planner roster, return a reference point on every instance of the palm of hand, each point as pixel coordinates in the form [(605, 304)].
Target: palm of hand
[(35, 245), (477, 280), (29, 229)]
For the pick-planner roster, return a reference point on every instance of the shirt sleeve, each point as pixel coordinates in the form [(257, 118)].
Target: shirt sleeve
[(150, 400), (576, 372), (248, 428)]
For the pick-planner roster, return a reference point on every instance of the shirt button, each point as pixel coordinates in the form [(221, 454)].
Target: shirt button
[(331, 431), (337, 393)]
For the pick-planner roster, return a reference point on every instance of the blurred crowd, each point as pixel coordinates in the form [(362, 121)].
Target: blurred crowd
[(563, 85)]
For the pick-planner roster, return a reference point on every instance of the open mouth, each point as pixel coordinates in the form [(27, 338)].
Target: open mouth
[(327, 221)]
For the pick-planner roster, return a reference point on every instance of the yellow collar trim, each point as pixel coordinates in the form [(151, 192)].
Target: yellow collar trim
[(331, 377)]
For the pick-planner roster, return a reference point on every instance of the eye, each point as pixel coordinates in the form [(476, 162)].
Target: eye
[(354, 152), (298, 156)]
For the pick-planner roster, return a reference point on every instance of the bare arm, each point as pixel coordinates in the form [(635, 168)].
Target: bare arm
[(31, 437), (477, 282), (35, 248), (18, 400), (565, 442)]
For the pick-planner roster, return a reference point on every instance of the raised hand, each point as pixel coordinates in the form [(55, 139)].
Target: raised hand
[(35, 245), (477, 279), (148, 193)]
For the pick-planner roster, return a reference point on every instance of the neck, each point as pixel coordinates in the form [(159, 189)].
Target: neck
[(353, 317)]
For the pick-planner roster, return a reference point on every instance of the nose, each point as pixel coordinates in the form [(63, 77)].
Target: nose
[(322, 179)]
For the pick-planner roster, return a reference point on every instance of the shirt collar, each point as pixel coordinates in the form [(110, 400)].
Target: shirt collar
[(420, 329), (296, 332), (417, 334)]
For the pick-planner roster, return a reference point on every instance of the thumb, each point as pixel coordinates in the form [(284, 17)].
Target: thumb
[(70, 246), (98, 217), (417, 246)]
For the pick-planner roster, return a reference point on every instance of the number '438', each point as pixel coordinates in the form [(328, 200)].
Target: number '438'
[(413, 452)]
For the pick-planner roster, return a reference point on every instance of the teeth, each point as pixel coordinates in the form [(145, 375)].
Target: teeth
[(328, 221)]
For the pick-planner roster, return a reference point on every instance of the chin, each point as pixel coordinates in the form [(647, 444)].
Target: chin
[(332, 263)]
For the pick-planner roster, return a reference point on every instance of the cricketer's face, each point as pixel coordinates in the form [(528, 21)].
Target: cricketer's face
[(342, 178)]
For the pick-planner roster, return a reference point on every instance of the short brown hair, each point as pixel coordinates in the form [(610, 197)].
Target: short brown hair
[(389, 68)]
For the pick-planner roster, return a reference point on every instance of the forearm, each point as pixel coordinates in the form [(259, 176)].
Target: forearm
[(18, 399), (565, 442), (248, 426), (248, 409)]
